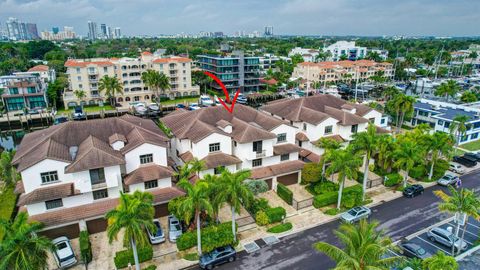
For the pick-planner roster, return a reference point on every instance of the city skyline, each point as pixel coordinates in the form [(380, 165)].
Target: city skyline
[(288, 17)]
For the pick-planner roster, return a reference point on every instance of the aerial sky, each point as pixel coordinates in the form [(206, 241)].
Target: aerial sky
[(295, 17)]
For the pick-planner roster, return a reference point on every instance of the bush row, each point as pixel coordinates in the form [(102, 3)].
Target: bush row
[(280, 228), (392, 179), (124, 257), (85, 247), (351, 196), (213, 236), (285, 193)]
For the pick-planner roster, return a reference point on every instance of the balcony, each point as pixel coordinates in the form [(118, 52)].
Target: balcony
[(92, 71), (99, 185), (260, 154)]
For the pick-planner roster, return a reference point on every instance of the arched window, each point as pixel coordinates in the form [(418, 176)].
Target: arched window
[(178, 94), (136, 98), (127, 99), (120, 99), (193, 93), (185, 94), (147, 97)]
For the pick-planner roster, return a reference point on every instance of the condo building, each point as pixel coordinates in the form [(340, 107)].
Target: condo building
[(85, 74), (346, 49), (23, 91), (73, 172)]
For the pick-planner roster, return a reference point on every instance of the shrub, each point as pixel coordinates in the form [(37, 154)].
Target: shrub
[(418, 172), (439, 169), (85, 247), (122, 258), (213, 236), (355, 188), (371, 167), (325, 199), (359, 177), (150, 267), (261, 218), (392, 179), (285, 193), (173, 205), (191, 257), (348, 200), (325, 187), (257, 205), (280, 228), (311, 173), (332, 211), (276, 214), (257, 186)]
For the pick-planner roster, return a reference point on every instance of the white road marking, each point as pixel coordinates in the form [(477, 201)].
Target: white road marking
[(433, 244)]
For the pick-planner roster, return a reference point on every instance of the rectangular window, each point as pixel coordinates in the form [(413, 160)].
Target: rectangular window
[(257, 162), (148, 158), (53, 204), (105, 69), (257, 147), (151, 184), (371, 120), (440, 122), (305, 126), (474, 136), (284, 157), (218, 170), (97, 176), (100, 194), (214, 147), (282, 137), (13, 91), (328, 129), (48, 177), (464, 138), (382, 121), (354, 128), (78, 70), (447, 124)]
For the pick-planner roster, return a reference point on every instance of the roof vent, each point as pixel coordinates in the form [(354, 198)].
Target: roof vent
[(225, 126), (73, 151)]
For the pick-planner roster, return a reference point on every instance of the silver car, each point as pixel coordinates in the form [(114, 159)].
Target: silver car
[(355, 214), (174, 228), (446, 238), (157, 236), (447, 180), (63, 252)]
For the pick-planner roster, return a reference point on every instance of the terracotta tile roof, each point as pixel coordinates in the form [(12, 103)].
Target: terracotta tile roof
[(146, 53), (50, 149), (116, 137), (301, 137), (244, 132), (39, 68), (344, 118), (214, 160), (381, 130), (223, 123), (172, 60), (285, 148), (75, 63), (282, 168), (147, 173), (19, 188), (187, 156), (94, 153), (307, 154), (269, 82), (163, 195), (50, 192), (139, 136)]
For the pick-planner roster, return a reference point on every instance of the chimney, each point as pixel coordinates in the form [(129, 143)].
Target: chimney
[(117, 141), (349, 108), (73, 151), (225, 126)]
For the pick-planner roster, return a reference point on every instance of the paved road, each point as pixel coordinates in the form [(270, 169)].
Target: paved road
[(400, 218)]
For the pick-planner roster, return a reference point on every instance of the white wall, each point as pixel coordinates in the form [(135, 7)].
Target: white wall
[(132, 158), (32, 179), (201, 149), (376, 115), (162, 183), (289, 130)]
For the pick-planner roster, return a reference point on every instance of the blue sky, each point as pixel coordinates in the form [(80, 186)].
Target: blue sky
[(302, 17)]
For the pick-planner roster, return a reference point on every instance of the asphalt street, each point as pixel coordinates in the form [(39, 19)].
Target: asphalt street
[(399, 218)]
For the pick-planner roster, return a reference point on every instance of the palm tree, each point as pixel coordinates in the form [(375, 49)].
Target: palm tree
[(156, 81), (345, 163), (406, 154), (364, 247), (80, 94), (111, 86), (385, 148), (195, 202), (390, 92), (460, 202), (8, 173), (194, 166), (438, 144), (366, 143), (448, 89), (235, 193), (21, 247), (404, 106), (328, 145), (133, 213), (440, 261), (215, 187), (459, 127)]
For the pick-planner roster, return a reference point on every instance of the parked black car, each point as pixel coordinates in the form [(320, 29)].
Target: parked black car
[(217, 256), (465, 161), (413, 191), (472, 156), (412, 250)]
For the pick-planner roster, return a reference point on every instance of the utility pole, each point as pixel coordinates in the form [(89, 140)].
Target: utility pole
[(356, 83)]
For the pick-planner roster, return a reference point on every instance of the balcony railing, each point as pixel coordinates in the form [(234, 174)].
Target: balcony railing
[(99, 185), (261, 153)]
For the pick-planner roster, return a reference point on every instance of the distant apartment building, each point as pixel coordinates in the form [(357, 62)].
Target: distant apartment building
[(325, 72), (235, 71), (85, 74), (323, 116), (268, 61), (439, 116), (17, 30), (73, 173), (67, 33), (309, 55), (117, 32), (92, 30), (347, 49), (382, 53), (43, 72), (244, 139), (22, 92), (268, 31)]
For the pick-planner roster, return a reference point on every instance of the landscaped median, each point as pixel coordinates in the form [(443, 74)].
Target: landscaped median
[(213, 236)]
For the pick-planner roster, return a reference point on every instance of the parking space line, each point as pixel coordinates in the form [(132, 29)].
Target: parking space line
[(395, 253), (434, 245), (467, 231), (473, 225)]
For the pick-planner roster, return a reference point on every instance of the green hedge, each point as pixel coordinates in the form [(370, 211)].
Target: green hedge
[(324, 187), (213, 236), (285, 193), (122, 258), (325, 199), (257, 205), (276, 214), (85, 247), (418, 172), (280, 228), (352, 194), (392, 179), (150, 267)]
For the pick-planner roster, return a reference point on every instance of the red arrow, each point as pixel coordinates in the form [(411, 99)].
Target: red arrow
[(227, 96)]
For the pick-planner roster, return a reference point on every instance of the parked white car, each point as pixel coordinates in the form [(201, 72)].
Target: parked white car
[(206, 100), (64, 252), (356, 214), (456, 168), (174, 228), (157, 236)]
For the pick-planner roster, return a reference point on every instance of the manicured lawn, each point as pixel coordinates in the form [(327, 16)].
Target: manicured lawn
[(472, 146), (280, 228), (191, 257), (460, 152), (180, 100), (87, 109)]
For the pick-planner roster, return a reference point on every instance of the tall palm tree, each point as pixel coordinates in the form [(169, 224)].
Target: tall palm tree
[(459, 127), (236, 193), (156, 81), (406, 154), (438, 144), (364, 247), (133, 213), (195, 202), (111, 86), (440, 261), (215, 187), (448, 89), (404, 106), (385, 148), (345, 163), (328, 145), (366, 143), (390, 92), (80, 94), (21, 247), (460, 202), (8, 173)]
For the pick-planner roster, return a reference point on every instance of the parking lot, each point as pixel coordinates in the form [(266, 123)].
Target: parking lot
[(471, 236)]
